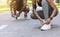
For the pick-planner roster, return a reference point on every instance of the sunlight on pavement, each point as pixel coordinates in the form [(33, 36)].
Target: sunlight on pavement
[(3, 26)]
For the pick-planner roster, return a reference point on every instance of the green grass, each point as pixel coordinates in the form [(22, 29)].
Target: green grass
[(1, 11), (58, 6), (2, 6), (4, 10), (29, 3)]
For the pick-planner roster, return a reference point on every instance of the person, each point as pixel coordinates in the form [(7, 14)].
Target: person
[(48, 12), (20, 6)]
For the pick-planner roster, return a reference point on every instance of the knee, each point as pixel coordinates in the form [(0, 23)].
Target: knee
[(33, 16)]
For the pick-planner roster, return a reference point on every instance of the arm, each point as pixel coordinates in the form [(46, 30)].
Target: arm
[(24, 4), (53, 13), (34, 9), (53, 7)]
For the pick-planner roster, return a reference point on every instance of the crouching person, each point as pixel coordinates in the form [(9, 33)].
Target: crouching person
[(20, 6), (46, 15)]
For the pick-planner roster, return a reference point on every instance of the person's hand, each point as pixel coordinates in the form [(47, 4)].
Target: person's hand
[(48, 21), (43, 21)]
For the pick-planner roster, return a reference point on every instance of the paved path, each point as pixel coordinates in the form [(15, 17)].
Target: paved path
[(26, 27)]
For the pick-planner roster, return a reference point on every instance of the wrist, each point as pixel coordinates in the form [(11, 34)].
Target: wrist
[(40, 19), (51, 18)]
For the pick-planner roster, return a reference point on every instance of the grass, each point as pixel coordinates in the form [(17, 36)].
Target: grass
[(2, 6), (5, 10), (58, 6), (29, 3)]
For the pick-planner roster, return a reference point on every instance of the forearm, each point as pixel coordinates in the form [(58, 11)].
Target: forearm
[(55, 10), (54, 13), (34, 9), (36, 14)]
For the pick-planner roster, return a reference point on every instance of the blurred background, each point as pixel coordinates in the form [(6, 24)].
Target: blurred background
[(4, 5)]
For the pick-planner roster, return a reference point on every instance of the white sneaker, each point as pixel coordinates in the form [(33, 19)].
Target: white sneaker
[(46, 27)]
